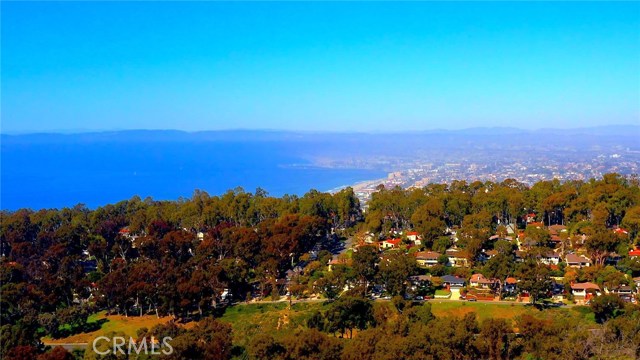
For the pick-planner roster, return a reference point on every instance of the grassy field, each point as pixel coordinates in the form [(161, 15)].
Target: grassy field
[(486, 310), (128, 325), (250, 319)]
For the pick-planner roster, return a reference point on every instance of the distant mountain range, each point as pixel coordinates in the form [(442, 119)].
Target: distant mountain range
[(480, 134)]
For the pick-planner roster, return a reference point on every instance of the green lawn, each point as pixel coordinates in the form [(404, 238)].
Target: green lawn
[(486, 310), (248, 320)]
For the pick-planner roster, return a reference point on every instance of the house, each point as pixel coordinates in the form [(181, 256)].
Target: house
[(291, 273), (620, 231), (636, 280), (557, 229), (531, 217), (457, 257), (557, 291), (491, 253), (498, 237), (634, 253), (612, 259), (583, 292), (414, 237), (337, 260), (126, 233), (474, 281), (420, 279), (510, 286), (427, 258), (419, 282), (451, 281), (389, 244), (625, 292), (550, 258), (538, 225), (576, 261), (519, 255), (486, 255), (479, 281)]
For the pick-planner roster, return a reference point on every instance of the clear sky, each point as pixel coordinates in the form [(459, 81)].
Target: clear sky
[(318, 66)]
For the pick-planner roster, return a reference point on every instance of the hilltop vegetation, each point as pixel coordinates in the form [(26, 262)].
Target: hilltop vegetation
[(192, 259)]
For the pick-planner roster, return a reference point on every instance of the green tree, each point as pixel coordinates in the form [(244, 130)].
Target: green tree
[(394, 270), (631, 221), (364, 265), (496, 339), (534, 279), (601, 244), (606, 307), (348, 313)]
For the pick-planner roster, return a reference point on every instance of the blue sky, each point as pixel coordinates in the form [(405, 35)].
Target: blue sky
[(318, 66)]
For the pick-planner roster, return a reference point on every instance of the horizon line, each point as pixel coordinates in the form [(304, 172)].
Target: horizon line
[(309, 132)]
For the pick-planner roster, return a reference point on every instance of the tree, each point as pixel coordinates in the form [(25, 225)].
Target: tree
[(421, 314), (631, 221), (606, 307), (504, 247), (394, 271), (364, 264), (427, 220), (57, 353), (264, 347), (495, 337), (601, 244), (348, 313), (311, 345), (500, 266), (475, 231), (534, 279), (209, 339), (537, 236), (332, 283), (442, 243)]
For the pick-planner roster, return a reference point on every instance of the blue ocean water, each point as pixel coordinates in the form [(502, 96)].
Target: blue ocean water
[(54, 175)]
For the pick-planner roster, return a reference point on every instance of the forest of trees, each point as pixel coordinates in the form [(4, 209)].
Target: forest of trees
[(146, 257)]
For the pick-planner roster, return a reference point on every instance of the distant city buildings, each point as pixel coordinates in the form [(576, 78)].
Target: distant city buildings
[(526, 167)]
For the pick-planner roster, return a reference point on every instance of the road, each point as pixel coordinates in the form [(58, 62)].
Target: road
[(69, 346)]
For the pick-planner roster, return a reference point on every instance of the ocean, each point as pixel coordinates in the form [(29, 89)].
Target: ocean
[(62, 174)]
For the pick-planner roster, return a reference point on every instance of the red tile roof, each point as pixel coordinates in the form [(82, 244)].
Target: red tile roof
[(394, 242), (585, 286)]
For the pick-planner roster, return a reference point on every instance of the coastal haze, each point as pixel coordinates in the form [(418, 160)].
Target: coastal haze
[(97, 168)]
